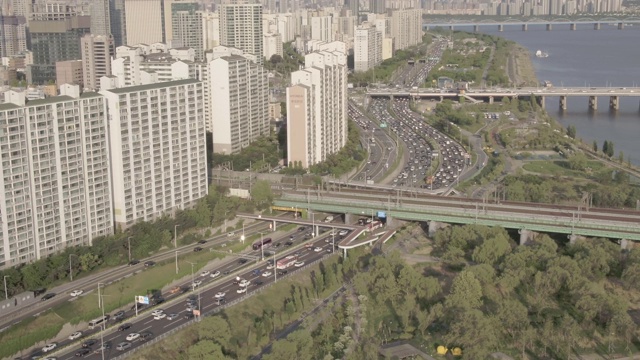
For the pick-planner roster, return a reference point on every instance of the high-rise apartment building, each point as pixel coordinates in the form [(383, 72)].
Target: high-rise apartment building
[(144, 21), (96, 59), (367, 47), (13, 39), (56, 181), (377, 6), (272, 45), (53, 41), (157, 138), (406, 28), (186, 25), (241, 27), (238, 100), (322, 28), (100, 17), (317, 106), (70, 72), (210, 30), (117, 19)]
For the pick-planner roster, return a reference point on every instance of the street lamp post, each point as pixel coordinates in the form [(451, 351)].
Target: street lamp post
[(313, 224), (261, 247), (175, 244), (225, 222), (242, 237), (275, 268), (333, 240), (129, 246), (99, 296), (70, 268), (6, 293), (193, 280)]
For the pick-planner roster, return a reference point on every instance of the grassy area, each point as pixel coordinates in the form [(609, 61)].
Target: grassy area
[(559, 168), (85, 308)]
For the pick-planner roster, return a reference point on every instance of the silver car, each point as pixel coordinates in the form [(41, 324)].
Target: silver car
[(123, 346)]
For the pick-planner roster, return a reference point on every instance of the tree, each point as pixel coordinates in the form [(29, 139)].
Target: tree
[(631, 276), (261, 193), (571, 131), (215, 328), (466, 292), (578, 162), (595, 146), (205, 349), (275, 59), (492, 250)]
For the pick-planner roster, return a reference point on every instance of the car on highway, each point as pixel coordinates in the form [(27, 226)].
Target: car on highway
[(189, 315), (134, 262), (221, 301), (317, 249), (302, 228), (123, 346), (105, 346), (172, 316), (220, 294), (89, 343), (48, 296), (147, 335), (244, 283), (256, 272), (197, 249), (202, 242), (124, 327), (267, 273), (75, 293), (288, 243), (299, 264), (133, 336), (157, 312), (205, 273), (196, 283), (270, 266), (49, 347), (83, 352), (118, 316), (160, 316), (215, 274), (242, 261), (343, 232), (149, 263), (242, 290), (258, 283), (75, 335)]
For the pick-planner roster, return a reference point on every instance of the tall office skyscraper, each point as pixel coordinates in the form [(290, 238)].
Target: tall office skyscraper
[(56, 182), (367, 47), (157, 139), (96, 59), (238, 100), (118, 22), (241, 27), (186, 27), (317, 106), (100, 17)]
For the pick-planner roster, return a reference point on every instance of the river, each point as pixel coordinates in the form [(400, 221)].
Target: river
[(587, 57)]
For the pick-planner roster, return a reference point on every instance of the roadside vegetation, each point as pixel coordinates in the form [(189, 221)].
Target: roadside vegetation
[(261, 155)]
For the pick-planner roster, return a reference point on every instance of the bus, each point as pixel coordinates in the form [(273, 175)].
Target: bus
[(286, 262), (95, 322), (264, 243)]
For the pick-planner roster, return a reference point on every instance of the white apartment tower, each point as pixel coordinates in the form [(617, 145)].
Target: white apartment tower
[(241, 27), (406, 28), (322, 28), (317, 106), (272, 45), (157, 138), (367, 47), (144, 21), (240, 111), (55, 190), (96, 59)]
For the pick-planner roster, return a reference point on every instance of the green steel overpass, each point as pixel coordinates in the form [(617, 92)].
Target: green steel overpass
[(573, 221)]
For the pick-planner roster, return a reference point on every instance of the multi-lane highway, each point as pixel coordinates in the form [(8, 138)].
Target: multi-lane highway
[(212, 282)]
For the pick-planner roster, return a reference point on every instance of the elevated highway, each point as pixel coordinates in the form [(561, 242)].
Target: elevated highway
[(527, 217), (540, 93)]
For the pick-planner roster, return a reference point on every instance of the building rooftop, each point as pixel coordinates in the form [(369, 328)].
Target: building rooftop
[(49, 100), (130, 89), (89, 94), (9, 106)]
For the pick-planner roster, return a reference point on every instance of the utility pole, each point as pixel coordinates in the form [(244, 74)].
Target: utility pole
[(6, 293), (175, 244), (129, 247), (70, 268)]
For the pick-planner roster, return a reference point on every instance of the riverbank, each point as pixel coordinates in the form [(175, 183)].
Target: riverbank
[(520, 68)]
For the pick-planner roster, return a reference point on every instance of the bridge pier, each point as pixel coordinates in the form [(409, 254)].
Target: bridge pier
[(563, 103), (614, 102), (435, 226), (620, 26), (349, 219), (500, 27), (541, 101), (572, 27), (273, 225), (450, 27), (549, 27), (490, 99), (573, 238), (476, 28), (596, 26), (593, 102), (526, 236), (625, 244), (525, 27)]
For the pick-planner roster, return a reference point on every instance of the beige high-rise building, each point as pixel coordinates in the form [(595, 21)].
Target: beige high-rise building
[(96, 59), (317, 106), (144, 21), (406, 28), (241, 27), (69, 72), (13, 39), (272, 45), (367, 47)]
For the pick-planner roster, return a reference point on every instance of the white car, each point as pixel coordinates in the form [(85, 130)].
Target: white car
[(215, 274), (244, 283), (157, 312), (343, 232), (196, 283), (242, 290), (133, 336), (267, 273), (317, 249), (299, 264), (49, 347), (75, 335), (159, 317), (270, 266), (219, 295), (205, 273), (75, 293)]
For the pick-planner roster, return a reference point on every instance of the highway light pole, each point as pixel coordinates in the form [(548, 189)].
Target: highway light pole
[(175, 244), (242, 237), (275, 268), (193, 280), (70, 268), (6, 293), (333, 240), (129, 246), (261, 247)]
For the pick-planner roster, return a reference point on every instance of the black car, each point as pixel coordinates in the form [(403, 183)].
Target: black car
[(197, 249), (145, 336), (188, 315), (221, 300), (288, 243), (243, 261), (38, 292), (202, 242), (48, 296), (258, 283), (83, 352), (149, 263), (134, 262), (89, 343), (302, 228), (157, 301), (118, 316), (124, 327), (278, 244), (283, 272)]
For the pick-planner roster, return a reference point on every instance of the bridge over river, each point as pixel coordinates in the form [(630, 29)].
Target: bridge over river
[(541, 93), (501, 23)]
